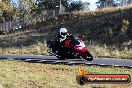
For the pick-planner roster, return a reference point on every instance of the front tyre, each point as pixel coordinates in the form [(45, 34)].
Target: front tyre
[(87, 56)]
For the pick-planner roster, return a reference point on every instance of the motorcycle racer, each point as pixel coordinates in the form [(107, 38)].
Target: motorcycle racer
[(69, 46), (63, 35)]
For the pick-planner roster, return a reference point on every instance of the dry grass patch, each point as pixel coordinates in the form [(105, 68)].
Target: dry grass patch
[(14, 74), (105, 51), (32, 49)]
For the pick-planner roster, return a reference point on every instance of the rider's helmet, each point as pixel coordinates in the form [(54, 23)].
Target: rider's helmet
[(63, 32)]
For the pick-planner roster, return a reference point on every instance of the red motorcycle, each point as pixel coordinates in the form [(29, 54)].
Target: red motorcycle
[(71, 48)]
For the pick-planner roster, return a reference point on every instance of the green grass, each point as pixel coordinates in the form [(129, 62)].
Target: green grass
[(14, 74)]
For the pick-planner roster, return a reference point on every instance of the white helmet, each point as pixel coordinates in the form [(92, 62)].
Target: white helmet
[(63, 32)]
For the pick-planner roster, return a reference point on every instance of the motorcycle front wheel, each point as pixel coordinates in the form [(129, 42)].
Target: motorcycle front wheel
[(87, 56)]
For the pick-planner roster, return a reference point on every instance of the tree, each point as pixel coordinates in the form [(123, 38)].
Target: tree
[(100, 4), (50, 4), (9, 8), (129, 2), (6, 10), (24, 9), (123, 2), (75, 6), (105, 3), (86, 5)]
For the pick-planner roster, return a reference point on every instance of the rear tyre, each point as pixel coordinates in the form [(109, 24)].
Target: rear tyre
[(61, 55)]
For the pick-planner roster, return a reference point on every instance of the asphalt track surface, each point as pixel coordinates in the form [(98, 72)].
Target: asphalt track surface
[(55, 60)]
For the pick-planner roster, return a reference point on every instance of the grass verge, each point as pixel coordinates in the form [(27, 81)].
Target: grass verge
[(105, 51), (34, 49), (14, 74)]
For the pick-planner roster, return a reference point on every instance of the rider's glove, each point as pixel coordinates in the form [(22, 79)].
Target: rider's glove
[(61, 40)]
